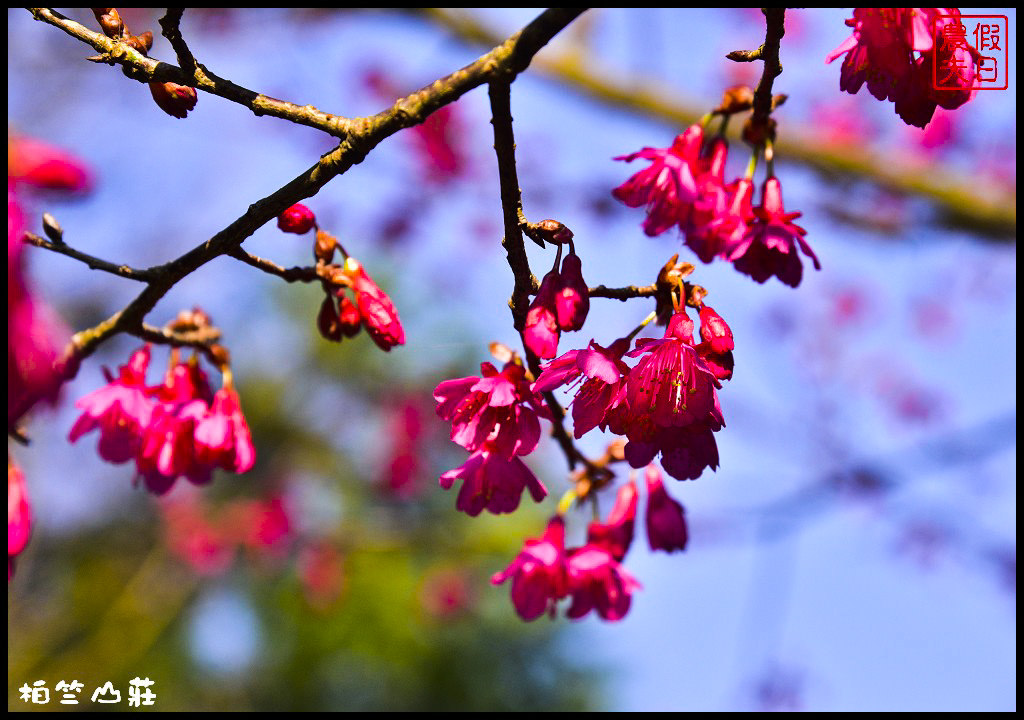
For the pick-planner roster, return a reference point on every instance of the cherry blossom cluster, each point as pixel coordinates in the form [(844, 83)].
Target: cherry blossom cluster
[(340, 317), (496, 418), (178, 428), (684, 187), (174, 99), (592, 576), (665, 404), (917, 58)]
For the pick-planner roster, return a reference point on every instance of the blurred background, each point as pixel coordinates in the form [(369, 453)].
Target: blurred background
[(855, 551)]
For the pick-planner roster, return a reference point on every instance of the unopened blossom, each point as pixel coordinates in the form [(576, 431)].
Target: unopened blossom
[(769, 245), (599, 370), (19, 515), (174, 99), (666, 521), (540, 332), (616, 533), (498, 410), (297, 219), (492, 482), (327, 320), (667, 188), (122, 411), (598, 582), (717, 343), (378, 313), (572, 300), (539, 573), (348, 315)]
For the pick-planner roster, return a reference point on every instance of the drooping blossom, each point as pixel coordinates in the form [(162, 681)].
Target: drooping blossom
[(616, 533), (685, 451), (263, 525), (539, 573), (540, 332), (174, 99), (572, 300), (917, 58), (348, 315), (492, 482), (297, 219), (400, 477), (769, 245), (19, 515), (498, 410), (600, 371), (666, 521), (598, 582), (176, 429), (327, 321), (121, 411), (711, 201), (670, 386), (205, 545), (378, 313), (667, 188)]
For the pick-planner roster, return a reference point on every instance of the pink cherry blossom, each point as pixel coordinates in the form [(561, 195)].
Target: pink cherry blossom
[(711, 202), (616, 534), (769, 246), (493, 410), (666, 522), (492, 482), (667, 188), (598, 582), (122, 411), (685, 451), (600, 371), (539, 573), (670, 386)]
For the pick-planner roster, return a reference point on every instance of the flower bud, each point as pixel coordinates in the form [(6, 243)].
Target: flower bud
[(572, 303), (554, 232), (297, 219), (327, 320), (666, 524), (174, 99), (377, 311), (324, 246), (714, 330), (349, 316)]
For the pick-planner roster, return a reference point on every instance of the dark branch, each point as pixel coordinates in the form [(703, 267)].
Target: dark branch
[(93, 262)]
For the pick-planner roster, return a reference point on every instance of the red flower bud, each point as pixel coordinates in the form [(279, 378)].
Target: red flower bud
[(572, 303), (174, 99), (327, 320), (375, 307), (349, 316), (297, 219), (540, 334)]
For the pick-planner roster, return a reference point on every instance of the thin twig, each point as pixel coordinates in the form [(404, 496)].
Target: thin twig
[(170, 27), (93, 262), (624, 293), (145, 69), (292, 274), (775, 28)]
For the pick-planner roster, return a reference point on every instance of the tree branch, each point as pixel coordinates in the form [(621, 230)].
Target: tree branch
[(93, 262), (775, 28), (504, 61)]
